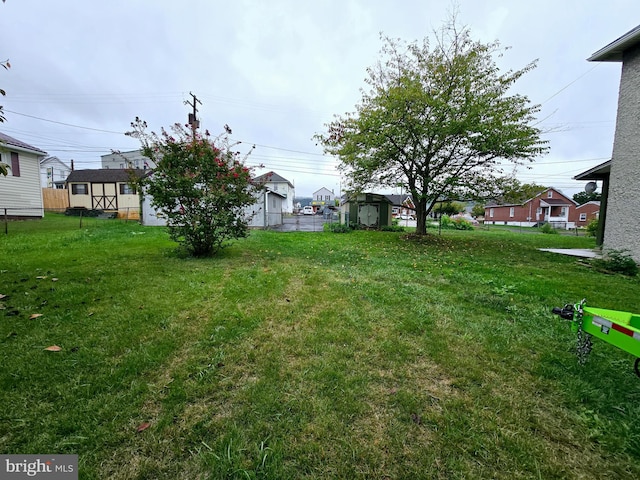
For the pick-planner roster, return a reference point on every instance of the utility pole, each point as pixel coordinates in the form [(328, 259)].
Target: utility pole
[(193, 119)]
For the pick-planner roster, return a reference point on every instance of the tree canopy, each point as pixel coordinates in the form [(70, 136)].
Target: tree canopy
[(438, 120), (200, 185), (514, 192), (583, 197)]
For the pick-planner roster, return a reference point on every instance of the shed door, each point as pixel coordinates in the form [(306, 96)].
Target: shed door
[(104, 197), (368, 215)]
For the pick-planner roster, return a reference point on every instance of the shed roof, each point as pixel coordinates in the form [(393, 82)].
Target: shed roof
[(613, 52), (105, 175)]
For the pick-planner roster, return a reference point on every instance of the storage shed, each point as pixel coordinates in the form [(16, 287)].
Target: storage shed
[(367, 210)]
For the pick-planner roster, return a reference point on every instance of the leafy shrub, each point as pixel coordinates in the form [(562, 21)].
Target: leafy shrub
[(336, 228), (455, 223), (592, 227), (547, 228), (617, 261)]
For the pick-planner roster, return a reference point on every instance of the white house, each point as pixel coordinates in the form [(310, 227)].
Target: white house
[(267, 211), (323, 197), (53, 172), (20, 190), (278, 184), (132, 159)]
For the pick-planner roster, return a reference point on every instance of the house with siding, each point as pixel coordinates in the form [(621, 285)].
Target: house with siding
[(53, 173), (323, 198), (109, 190), (550, 206), (402, 205), (280, 185), (20, 190), (619, 226), (123, 160)]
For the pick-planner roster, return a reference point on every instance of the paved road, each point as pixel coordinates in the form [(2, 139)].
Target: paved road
[(302, 223)]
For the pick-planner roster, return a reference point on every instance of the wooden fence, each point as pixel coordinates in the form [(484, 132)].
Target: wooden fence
[(55, 199)]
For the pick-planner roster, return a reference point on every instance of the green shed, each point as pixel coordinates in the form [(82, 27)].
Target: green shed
[(367, 210)]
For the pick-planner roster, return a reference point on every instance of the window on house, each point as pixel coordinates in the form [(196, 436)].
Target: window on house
[(273, 203), (539, 210), (549, 194), (15, 164), (126, 189), (512, 212), (79, 189), (327, 197), (563, 212), (122, 165), (583, 217), (491, 213)]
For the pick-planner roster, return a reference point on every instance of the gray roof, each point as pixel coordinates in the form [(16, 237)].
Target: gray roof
[(273, 177), (7, 140), (105, 175), (399, 199), (613, 52)]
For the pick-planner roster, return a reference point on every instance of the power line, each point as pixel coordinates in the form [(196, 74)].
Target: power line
[(62, 123), (571, 83)]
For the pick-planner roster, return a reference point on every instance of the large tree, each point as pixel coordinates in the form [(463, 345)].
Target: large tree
[(439, 120), (200, 185), (514, 192), (583, 197)]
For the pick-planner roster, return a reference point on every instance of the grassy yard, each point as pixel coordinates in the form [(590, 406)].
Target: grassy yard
[(310, 355)]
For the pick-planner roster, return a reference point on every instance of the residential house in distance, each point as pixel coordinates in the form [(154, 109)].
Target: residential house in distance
[(105, 189), (585, 213), (20, 190), (53, 173), (402, 205), (619, 222), (281, 185), (549, 206), (323, 198), (132, 159)]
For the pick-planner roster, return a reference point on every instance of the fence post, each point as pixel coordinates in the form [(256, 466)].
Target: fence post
[(6, 223), (80, 218)]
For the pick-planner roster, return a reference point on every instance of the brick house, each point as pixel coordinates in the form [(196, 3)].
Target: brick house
[(583, 214), (549, 206)]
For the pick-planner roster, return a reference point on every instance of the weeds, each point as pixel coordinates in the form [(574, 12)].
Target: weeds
[(617, 261)]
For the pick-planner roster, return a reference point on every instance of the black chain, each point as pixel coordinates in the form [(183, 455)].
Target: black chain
[(584, 344)]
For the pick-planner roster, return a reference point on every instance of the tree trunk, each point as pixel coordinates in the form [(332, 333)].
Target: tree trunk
[(421, 216)]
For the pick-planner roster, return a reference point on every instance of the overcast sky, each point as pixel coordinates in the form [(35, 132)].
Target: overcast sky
[(276, 71)]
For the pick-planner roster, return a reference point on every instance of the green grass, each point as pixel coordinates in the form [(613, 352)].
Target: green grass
[(310, 355)]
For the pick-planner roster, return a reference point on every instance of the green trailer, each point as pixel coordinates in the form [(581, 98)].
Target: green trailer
[(620, 329)]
